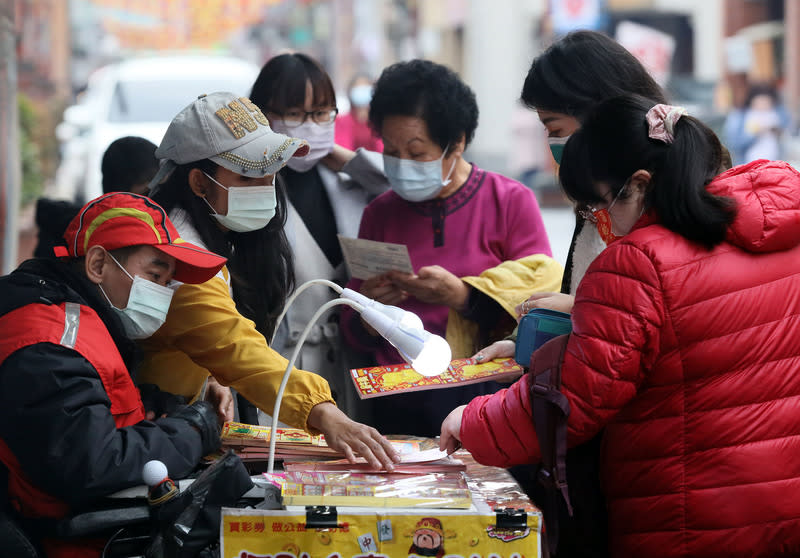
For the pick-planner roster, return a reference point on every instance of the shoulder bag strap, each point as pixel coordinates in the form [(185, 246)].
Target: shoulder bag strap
[(550, 410)]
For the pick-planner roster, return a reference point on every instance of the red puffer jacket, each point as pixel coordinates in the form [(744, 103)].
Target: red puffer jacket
[(691, 361)]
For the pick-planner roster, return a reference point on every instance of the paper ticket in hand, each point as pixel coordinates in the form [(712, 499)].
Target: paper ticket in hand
[(367, 258)]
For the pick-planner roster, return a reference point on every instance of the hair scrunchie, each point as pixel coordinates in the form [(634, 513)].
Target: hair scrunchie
[(661, 121)]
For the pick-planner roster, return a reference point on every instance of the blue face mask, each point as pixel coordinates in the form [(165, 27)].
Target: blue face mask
[(361, 95), (147, 307), (557, 147), (416, 181)]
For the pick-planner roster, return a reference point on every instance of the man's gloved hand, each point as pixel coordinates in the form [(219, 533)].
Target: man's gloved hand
[(203, 418), (158, 403)]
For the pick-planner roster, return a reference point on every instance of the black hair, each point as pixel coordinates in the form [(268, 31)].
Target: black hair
[(761, 89), (260, 262), (582, 69), (281, 84), (122, 254), (358, 76), (127, 162), (613, 143), (428, 91)]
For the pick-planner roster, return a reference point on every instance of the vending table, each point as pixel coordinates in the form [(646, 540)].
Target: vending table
[(501, 522)]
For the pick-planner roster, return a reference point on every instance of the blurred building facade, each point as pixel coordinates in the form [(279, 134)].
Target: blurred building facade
[(42, 47), (762, 46), (34, 63), (9, 145), (490, 44)]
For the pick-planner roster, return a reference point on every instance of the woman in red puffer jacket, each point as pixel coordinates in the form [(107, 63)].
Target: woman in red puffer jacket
[(685, 343)]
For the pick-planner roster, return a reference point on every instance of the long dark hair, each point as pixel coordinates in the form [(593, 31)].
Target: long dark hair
[(281, 84), (260, 262), (582, 69), (613, 143)]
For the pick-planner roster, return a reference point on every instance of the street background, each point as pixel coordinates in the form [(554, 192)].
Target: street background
[(706, 54)]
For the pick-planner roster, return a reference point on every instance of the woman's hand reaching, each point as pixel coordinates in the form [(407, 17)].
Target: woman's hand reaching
[(499, 349), (338, 158), (221, 397), (450, 439), (352, 438), (551, 301)]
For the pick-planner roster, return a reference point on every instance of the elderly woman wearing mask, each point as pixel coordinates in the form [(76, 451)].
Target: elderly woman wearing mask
[(457, 221)]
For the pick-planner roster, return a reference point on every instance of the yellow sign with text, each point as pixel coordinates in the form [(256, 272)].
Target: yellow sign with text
[(380, 534)]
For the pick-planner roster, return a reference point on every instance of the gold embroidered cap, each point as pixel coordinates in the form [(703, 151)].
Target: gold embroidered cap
[(231, 131)]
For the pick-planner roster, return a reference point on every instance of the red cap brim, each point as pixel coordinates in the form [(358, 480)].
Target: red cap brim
[(192, 263), (302, 151)]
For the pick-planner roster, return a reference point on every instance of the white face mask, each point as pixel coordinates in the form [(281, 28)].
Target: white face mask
[(147, 306), (250, 208), (361, 95), (416, 180), (319, 137)]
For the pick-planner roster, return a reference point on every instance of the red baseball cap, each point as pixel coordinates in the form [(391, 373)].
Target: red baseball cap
[(122, 219)]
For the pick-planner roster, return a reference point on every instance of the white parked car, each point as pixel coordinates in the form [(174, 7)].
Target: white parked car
[(136, 97)]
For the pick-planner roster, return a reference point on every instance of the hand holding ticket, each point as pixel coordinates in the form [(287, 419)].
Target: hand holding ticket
[(368, 258)]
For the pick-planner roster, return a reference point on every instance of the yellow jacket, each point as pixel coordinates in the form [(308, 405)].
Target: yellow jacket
[(508, 284), (204, 333)]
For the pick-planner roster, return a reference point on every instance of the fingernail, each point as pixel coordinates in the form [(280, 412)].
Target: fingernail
[(479, 357)]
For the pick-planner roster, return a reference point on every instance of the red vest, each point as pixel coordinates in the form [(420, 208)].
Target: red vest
[(80, 328)]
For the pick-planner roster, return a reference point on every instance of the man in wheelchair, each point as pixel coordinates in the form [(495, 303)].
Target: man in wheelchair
[(72, 423)]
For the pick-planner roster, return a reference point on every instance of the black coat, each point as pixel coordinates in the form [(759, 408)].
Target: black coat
[(55, 412), (52, 219)]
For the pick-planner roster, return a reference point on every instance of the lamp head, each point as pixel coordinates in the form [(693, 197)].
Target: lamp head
[(434, 357), (427, 353)]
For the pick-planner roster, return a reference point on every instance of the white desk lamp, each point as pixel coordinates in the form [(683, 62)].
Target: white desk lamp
[(428, 354), (407, 318)]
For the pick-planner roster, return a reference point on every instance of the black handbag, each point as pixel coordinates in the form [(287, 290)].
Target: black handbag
[(189, 523)]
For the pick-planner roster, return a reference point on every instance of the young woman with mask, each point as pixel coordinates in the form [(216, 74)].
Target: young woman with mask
[(563, 84), (219, 158), (684, 341), (456, 219), (352, 129), (297, 96)]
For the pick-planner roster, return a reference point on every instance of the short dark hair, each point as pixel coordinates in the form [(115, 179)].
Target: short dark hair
[(428, 91), (613, 143), (357, 76), (127, 162), (122, 254), (761, 89), (582, 69), (281, 84)]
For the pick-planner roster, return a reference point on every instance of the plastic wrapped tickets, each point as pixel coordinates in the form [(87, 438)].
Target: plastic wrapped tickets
[(384, 490)]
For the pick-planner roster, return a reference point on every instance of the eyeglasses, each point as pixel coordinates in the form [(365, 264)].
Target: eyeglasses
[(293, 118), (587, 212)]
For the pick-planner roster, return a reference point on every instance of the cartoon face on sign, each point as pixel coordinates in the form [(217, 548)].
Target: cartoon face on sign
[(428, 538)]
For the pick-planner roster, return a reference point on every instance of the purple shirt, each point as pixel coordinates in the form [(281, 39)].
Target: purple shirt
[(489, 220)]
